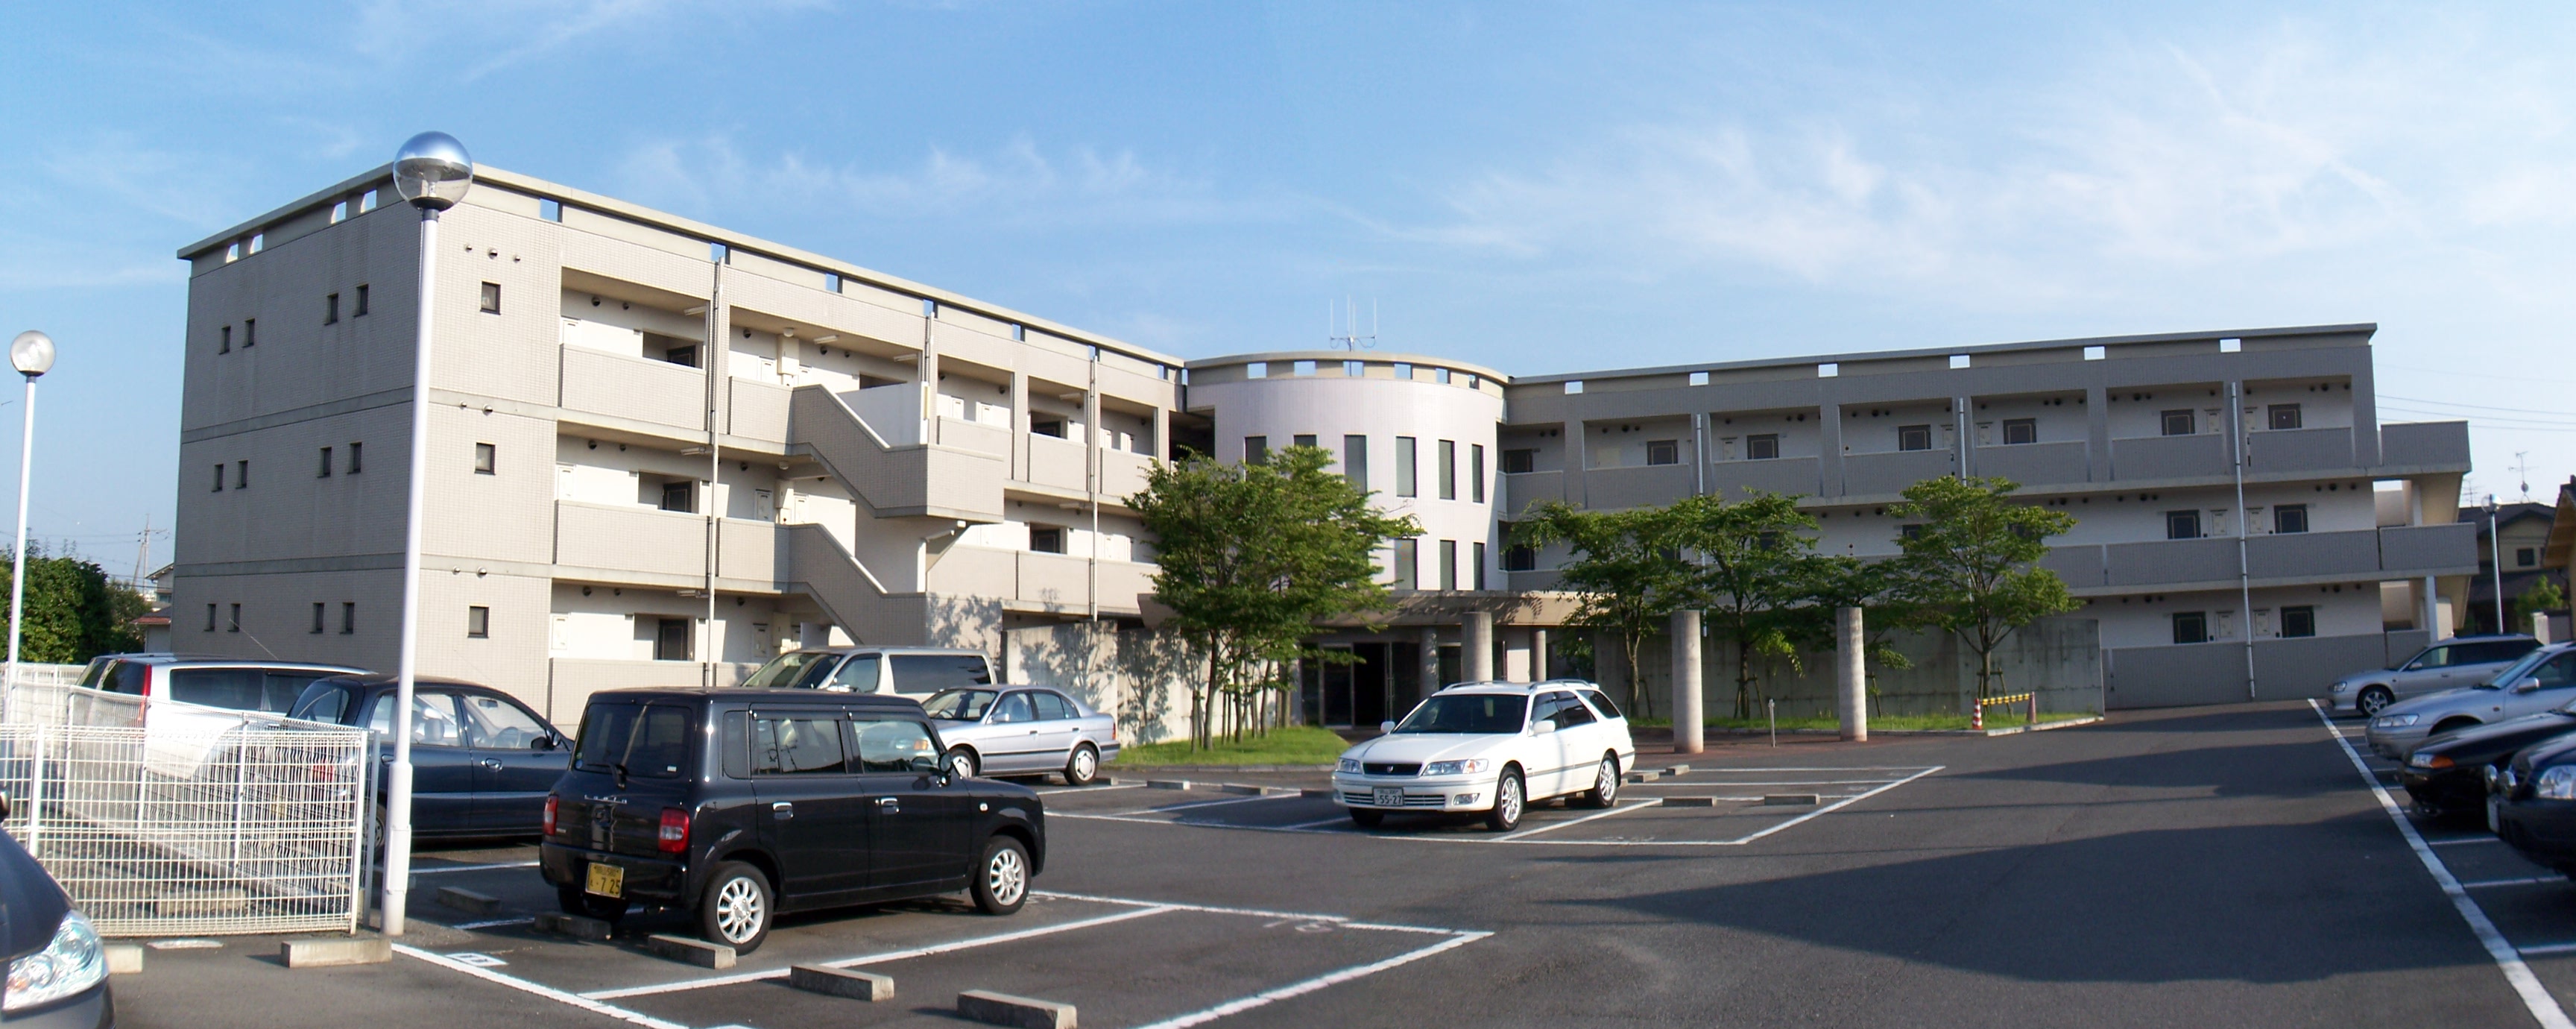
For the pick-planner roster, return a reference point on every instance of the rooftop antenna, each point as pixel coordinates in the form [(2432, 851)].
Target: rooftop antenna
[(1342, 327), (2522, 471)]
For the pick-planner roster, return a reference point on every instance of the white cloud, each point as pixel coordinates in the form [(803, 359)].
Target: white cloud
[(503, 33)]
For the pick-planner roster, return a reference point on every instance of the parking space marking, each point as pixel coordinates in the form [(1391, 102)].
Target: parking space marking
[(1211, 803), (1268, 997), (1535, 830), (416, 870), (2493, 883), (2457, 840), (2544, 1008), (893, 955), (1793, 782), (493, 924), (548, 992), (2547, 949), (1214, 909), (1091, 789), (1740, 841)]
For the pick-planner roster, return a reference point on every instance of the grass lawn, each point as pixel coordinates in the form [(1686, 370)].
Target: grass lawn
[(1295, 745), (1995, 719)]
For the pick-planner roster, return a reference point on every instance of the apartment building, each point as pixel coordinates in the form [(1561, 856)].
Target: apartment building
[(659, 452)]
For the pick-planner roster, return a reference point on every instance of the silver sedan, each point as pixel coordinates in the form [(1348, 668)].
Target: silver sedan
[(1021, 730)]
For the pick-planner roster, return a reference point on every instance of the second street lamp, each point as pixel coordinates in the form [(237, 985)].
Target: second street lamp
[(432, 171), (32, 353)]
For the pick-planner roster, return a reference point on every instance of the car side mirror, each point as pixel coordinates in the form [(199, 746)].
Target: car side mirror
[(1542, 728), (1384, 728), (542, 743), (926, 764), (2527, 685)]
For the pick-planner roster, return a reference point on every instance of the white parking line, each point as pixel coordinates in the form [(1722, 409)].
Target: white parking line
[(1267, 997), (493, 924), (2486, 884), (1571, 821), (896, 955), (1317, 822), (1214, 909), (1091, 789), (548, 992), (1825, 810), (2548, 949), (1211, 803), (1793, 782), (2543, 1007), (2457, 840), (416, 870)]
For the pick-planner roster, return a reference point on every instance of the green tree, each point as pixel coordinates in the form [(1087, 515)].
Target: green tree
[(1249, 557), (1879, 589), (1625, 571), (2542, 595), (1755, 572), (1971, 562), (74, 612)]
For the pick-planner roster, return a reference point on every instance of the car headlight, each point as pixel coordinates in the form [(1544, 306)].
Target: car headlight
[(72, 963), (1469, 766), (2555, 783), (2428, 759), (2343, 687), (1348, 764), (2394, 721)]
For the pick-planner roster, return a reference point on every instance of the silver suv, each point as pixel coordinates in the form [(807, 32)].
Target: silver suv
[(910, 671), (2447, 665)]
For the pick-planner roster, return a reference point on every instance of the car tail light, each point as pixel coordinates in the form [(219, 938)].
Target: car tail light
[(551, 801), (675, 831)]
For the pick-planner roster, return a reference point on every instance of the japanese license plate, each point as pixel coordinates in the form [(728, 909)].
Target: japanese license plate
[(606, 881), (1388, 796)]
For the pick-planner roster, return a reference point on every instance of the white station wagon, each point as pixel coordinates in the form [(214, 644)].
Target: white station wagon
[(1494, 747)]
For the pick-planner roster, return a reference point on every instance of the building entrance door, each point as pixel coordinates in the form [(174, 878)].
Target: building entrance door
[(1369, 704), (1336, 691)]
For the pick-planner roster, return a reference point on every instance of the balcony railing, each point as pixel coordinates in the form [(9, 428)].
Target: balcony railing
[(1787, 476), (1609, 489), (2310, 556), (619, 538), (1892, 471), (896, 479), (657, 392), (1521, 490), (1059, 582), (2170, 457), (2299, 450), (2037, 464)]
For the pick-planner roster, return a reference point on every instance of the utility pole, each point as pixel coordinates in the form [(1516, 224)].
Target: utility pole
[(142, 552)]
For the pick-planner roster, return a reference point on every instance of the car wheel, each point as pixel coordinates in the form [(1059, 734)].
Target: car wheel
[(1084, 767), (1002, 878), (2374, 699), (1367, 819), (575, 901), (1605, 783), (736, 909), (961, 763), (1508, 799)]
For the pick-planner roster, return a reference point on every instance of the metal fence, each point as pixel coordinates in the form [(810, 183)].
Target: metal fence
[(167, 818)]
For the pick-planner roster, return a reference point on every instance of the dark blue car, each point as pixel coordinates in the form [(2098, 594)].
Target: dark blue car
[(57, 968), (481, 761)]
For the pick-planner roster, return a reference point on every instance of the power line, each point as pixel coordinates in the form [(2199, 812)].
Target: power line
[(2481, 407)]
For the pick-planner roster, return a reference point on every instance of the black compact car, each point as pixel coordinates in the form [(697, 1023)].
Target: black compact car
[(738, 804), (2448, 774), (2534, 803), (57, 967), (481, 762)]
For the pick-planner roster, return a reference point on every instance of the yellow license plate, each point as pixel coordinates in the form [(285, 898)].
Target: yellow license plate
[(606, 881)]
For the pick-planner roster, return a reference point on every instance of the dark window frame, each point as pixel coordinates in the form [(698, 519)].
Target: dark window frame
[(2289, 518), (1762, 447), (491, 298), (1660, 452), (1907, 436), (2185, 418), (2190, 627), (2298, 622), (2020, 432)]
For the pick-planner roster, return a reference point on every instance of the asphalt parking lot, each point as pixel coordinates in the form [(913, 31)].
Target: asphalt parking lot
[(2218, 866)]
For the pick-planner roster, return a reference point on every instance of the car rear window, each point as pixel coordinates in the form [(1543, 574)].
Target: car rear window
[(242, 689), (642, 741), (323, 702), (2501, 650), (931, 673), (1601, 701)]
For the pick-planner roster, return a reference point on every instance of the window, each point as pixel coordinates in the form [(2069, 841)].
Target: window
[(227, 337), (636, 740), (1355, 460), (1303, 439), (1048, 427), (1051, 707), (684, 356), (1476, 472), (2190, 627), (2018, 431), (2182, 525), (894, 745), (1301, 368), (2180, 423), (552, 210), (1476, 561), (1663, 451), (1046, 539), (2285, 416), (1519, 462), (1913, 437), (353, 457), (485, 456), (1404, 370), (339, 212), (219, 476), (679, 496), (331, 309), (1256, 450), (478, 623), (498, 724), (366, 201), (241, 475), (348, 618), (1404, 466), (1765, 447), (491, 298), (2290, 518), (2298, 621), (258, 242), (210, 618), (2525, 557), (325, 473), (361, 307), (797, 745), (433, 719), (235, 624), (1448, 564), (1440, 375), (1407, 554), (1014, 707), (317, 617), (1256, 369), (918, 674), (1520, 559), (1448, 451), (856, 675), (250, 333), (671, 640), (1908, 531), (2432, 657)]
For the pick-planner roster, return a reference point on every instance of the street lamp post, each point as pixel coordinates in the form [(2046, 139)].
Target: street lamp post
[(432, 171), (2495, 563), (32, 353)]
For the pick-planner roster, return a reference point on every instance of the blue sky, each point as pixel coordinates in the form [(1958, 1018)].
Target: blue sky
[(1536, 187)]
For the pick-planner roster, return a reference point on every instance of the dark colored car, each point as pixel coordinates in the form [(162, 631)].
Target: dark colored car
[(2533, 803), (737, 805), (2448, 774), (242, 684), (481, 762), (57, 969)]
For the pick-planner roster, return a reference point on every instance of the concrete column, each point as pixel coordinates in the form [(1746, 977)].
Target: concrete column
[(1538, 655), (2428, 598), (1851, 674), (1020, 426), (1476, 653), (2540, 626), (1516, 656), (1687, 731)]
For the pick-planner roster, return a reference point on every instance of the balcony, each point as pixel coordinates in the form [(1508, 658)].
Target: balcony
[(2430, 549), (975, 436), (2432, 446), (640, 540), (2300, 555), (1787, 476), (2370, 554), (2299, 450), (1892, 471), (632, 388), (2168, 562), (575, 679), (2037, 465), (758, 410), (747, 551), (895, 480), (2171, 457), (1611, 489), (1053, 582), (1122, 474), (1522, 490), (1056, 462)]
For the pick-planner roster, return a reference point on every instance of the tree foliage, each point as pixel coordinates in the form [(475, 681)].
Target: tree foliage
[(1756, 573), (1970, 566), (74, 612), (1625, 572), (2542, 595), (1250, 556)]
